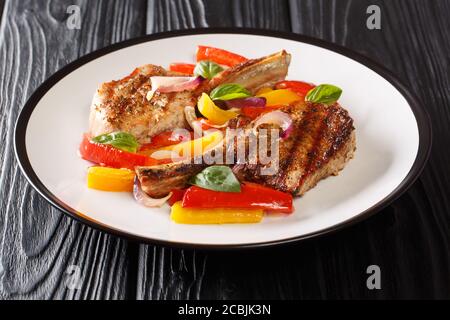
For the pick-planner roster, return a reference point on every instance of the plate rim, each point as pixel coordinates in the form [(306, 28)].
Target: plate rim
[(420, 114)]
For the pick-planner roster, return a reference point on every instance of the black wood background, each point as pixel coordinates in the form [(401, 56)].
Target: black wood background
[(409, 240)]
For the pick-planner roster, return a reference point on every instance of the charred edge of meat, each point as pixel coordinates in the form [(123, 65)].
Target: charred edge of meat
[(253, 73), (158, 181)]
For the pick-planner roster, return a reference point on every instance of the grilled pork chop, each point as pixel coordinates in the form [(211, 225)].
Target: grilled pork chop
[(122, 105), (321, 143)]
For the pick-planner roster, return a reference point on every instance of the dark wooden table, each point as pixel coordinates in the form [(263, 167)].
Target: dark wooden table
[(409, 240)]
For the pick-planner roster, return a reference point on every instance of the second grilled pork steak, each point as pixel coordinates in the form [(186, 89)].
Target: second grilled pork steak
[(321, 143), (122, 105)]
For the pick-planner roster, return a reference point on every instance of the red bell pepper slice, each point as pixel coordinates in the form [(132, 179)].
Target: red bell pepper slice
[(109, 156), (164, 139), (219, 56), (255, 112), (186, 68), (177, 195), (299, 87), (205, 124), (252, 196)]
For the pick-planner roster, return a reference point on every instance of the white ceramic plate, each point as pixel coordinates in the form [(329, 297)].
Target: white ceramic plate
[(393, 140)]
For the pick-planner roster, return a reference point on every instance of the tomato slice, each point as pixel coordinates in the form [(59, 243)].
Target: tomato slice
[(186, 68), (299, 87), (109, 156), (252, 196), (219, 56)]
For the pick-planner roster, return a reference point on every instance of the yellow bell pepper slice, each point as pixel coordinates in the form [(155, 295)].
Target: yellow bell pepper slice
[(110, 179), (214, 114), (214, 216), (280, 97), (263, 90), (196, 147)]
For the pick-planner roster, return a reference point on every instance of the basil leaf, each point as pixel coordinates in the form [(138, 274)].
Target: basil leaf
[(229, 91), (207, 69), (120, 140), (217, 178), (324, 93)]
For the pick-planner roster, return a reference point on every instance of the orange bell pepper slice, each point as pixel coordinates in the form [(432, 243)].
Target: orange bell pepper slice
[(110, 179), (196, 147), (299, 87), (280, 96), (185, 68)]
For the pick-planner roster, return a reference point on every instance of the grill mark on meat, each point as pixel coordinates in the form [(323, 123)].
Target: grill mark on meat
[(313, 154), (341, 135), (285, 163), (333, 139), (299, 155)]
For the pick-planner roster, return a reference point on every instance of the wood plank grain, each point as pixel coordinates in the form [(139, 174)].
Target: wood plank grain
[(164, 15), (2, 4), (37, 242)]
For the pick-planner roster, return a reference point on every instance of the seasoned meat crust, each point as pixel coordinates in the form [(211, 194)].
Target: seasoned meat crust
[(122, 105), (321, 143)]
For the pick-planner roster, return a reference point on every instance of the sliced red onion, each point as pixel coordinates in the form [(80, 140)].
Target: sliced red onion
[(144, 199), (180, 135), (173, 84), (279, 118), (286, 133), (246, 102)]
